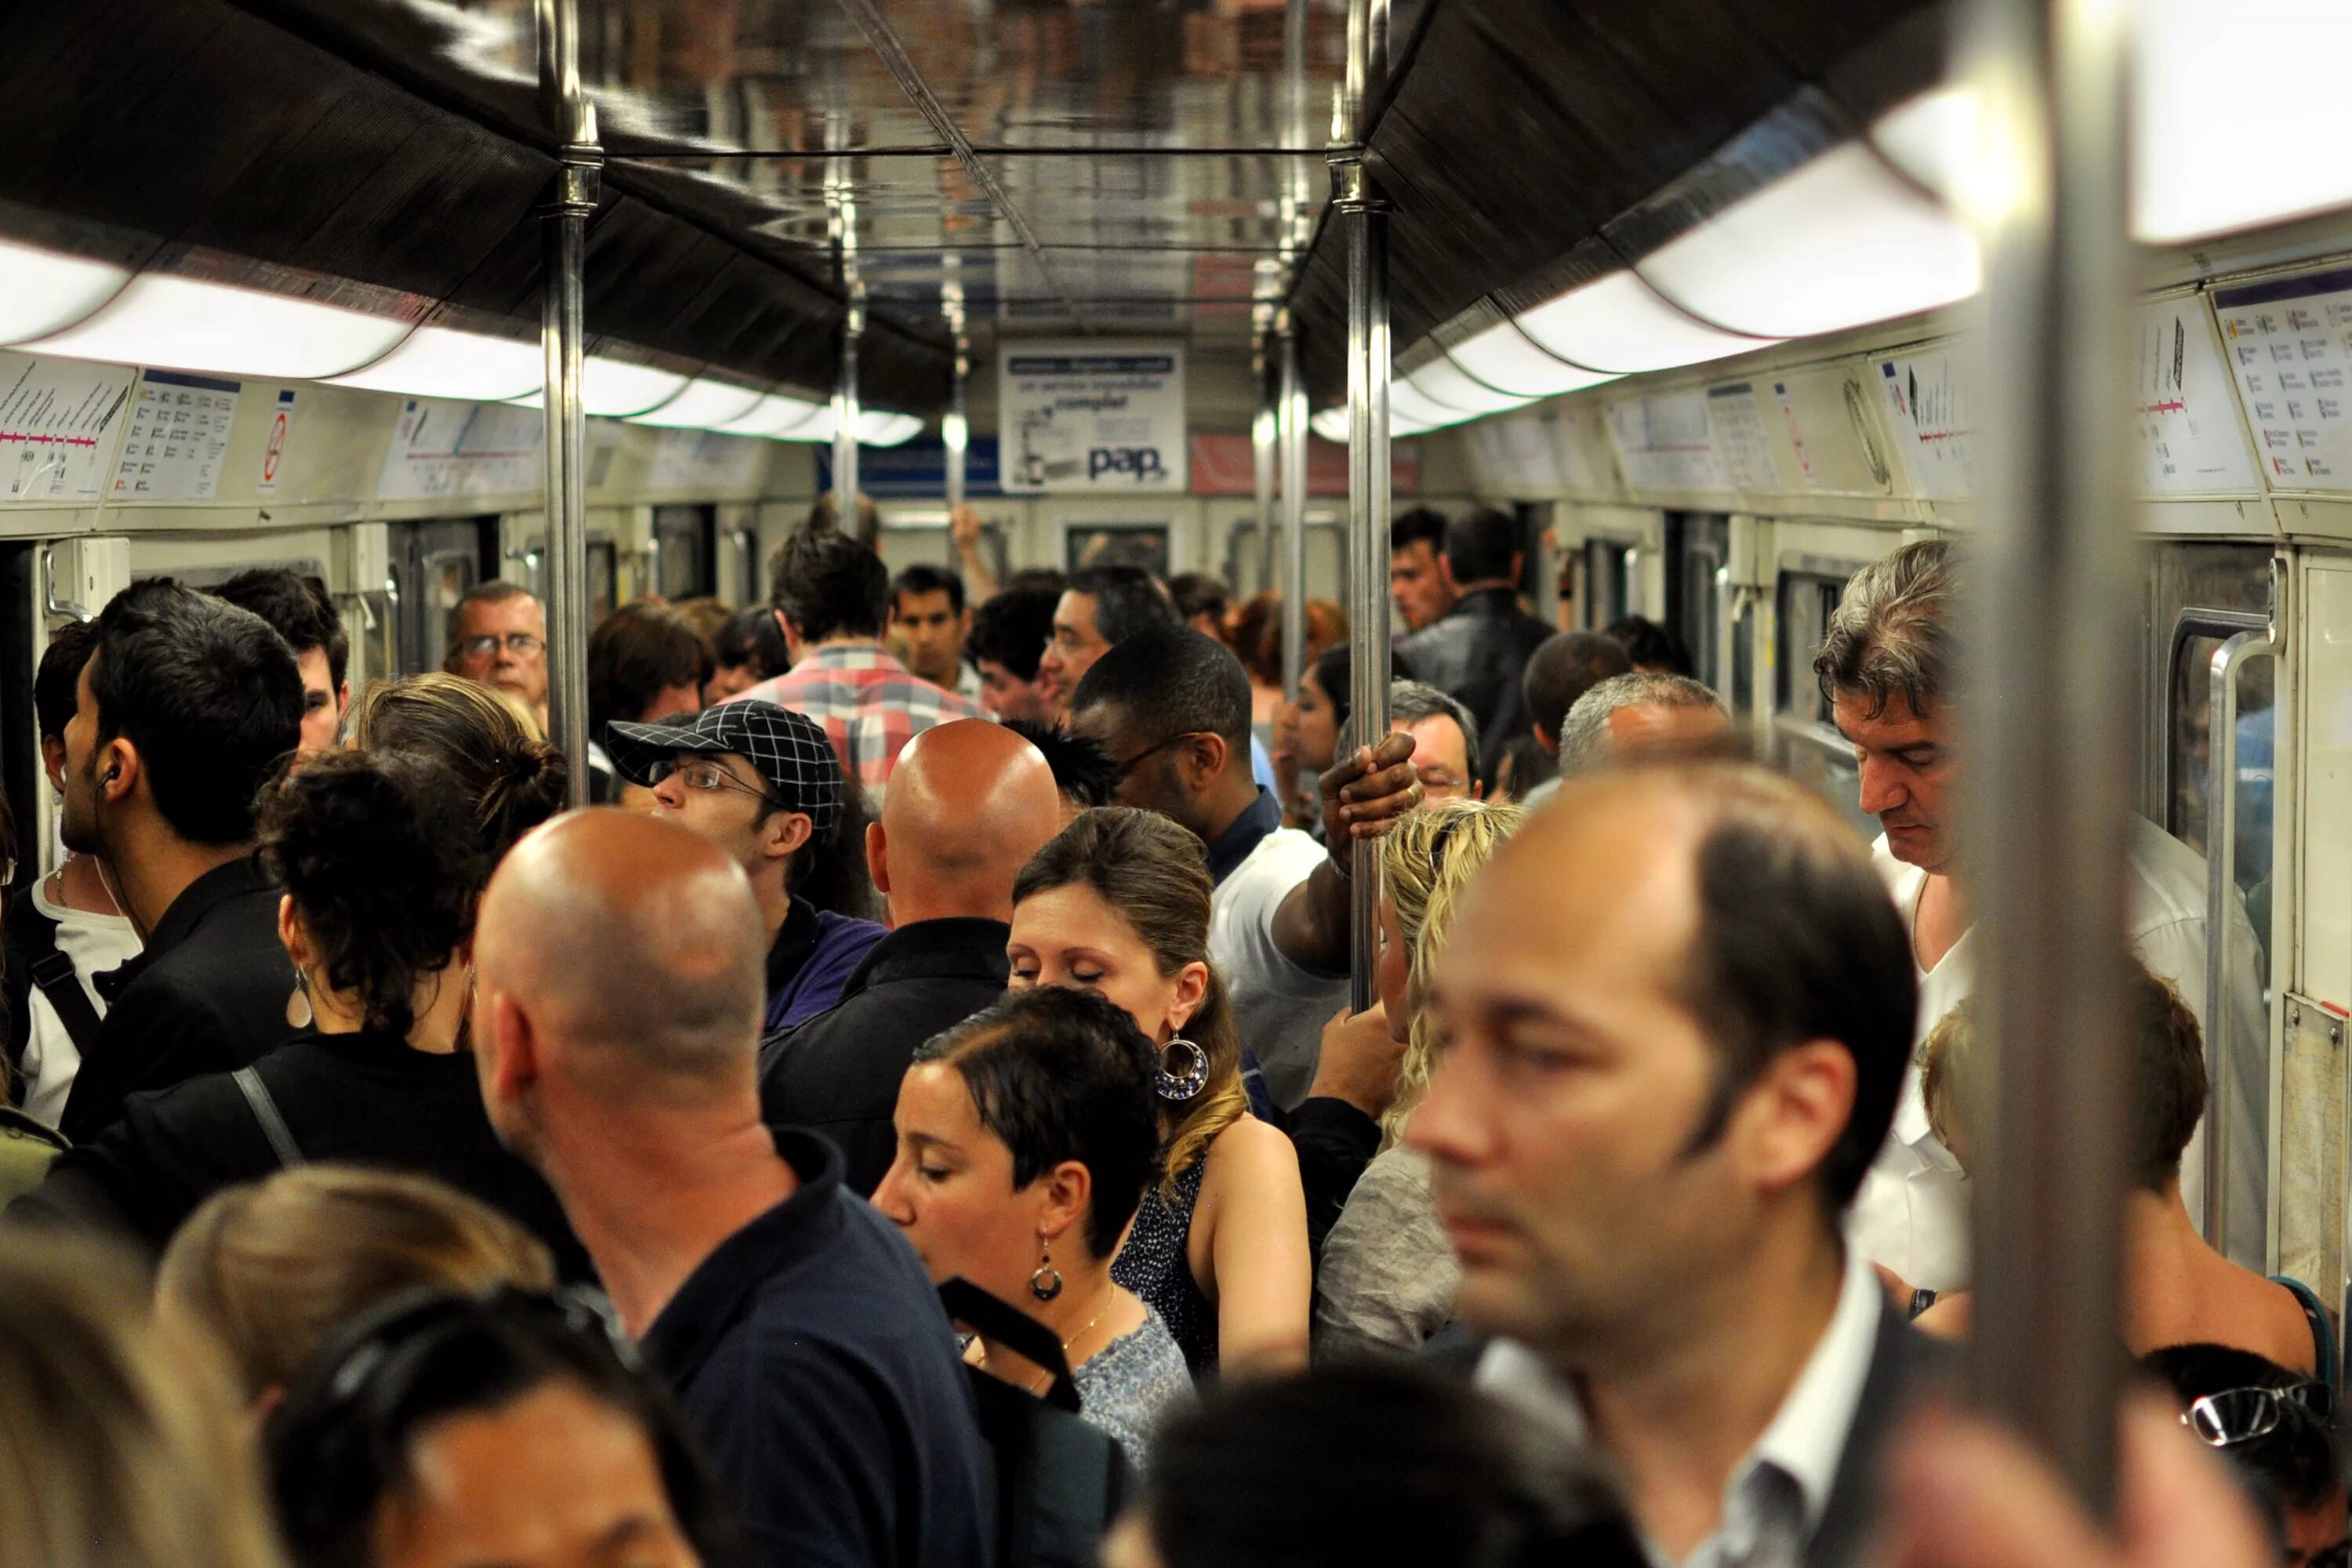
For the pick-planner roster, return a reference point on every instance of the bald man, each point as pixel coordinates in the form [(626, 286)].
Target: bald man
[(618, 982), (969, 802)]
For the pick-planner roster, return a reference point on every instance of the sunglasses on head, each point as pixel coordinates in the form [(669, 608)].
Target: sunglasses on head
[(2242, 1415)]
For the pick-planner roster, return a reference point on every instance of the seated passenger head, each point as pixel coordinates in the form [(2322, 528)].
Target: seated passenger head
[(1102, 607), (1027, 1136), (120, 1445), (274, 1269), (1360, 1463), (824, 585), (383, 861), (1420, 585), (2276, 1428), (1634, 715), (1428, 861), (1564, 669), (1172, 709), (646, 661), (1082, 771), (619, 974), (969, 802), (183, 708), (1119, 904), (759, 781), (750, 648), (1677, 1012), (2169, 1083), (1444, 741), (1884, 668), (1654, 649), (1484, 548), (485, 737), (299, 610), (1009, 632), (926, 609), (497, 636), (449, 1430)]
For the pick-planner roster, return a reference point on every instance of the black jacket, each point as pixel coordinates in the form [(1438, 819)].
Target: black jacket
[(838, 1073), (366, 1098), (1476, 655), (208, 995)]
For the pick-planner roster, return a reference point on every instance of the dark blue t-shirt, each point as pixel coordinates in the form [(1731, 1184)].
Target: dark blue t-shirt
[(812, 1357)]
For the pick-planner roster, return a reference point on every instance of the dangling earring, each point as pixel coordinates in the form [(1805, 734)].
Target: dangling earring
[(1184, 1069), (1046, 1282), (298, 1005)]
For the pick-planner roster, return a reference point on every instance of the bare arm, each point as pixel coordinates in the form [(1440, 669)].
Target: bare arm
[(1258, 1271), (979, 581), (1364, 794)]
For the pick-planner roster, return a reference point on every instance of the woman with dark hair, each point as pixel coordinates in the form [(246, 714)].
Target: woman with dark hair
[(1119, 904), (383, 860), (450, 1429), (485, 738), (1026, 1138)]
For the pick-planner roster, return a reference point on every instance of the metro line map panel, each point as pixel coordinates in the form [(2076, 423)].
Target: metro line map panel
[(2289, 345)]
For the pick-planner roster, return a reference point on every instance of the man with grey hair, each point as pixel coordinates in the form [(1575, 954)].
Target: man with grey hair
[(796, 1327), (1629, 715), (1445, 739), (1885, 669)]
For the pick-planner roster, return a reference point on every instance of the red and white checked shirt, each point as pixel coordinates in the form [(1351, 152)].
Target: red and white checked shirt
[(869, 703)]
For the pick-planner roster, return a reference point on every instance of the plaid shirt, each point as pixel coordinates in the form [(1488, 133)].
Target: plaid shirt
[(870, 705)]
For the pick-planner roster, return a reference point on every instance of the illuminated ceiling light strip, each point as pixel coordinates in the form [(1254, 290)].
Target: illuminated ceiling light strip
[(43, 292), (774, 415), (1504, 358), (1619, 325), (440, 361), (1447, 382), (617, 389), (173, 322), (703, 405), (880, 428)]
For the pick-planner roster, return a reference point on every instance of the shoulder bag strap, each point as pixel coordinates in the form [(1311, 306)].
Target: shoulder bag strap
[(265, 1110), (1017, 1331), (47, 966)]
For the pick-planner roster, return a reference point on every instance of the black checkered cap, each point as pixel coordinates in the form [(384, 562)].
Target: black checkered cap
[(789, 750)]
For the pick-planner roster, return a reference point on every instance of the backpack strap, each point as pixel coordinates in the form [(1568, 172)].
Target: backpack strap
[(265, 1110), (1017, 1331), (47, 966)]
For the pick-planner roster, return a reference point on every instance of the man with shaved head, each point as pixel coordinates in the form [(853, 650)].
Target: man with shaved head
[(1677, 1017), (618, 979), (969, 802)]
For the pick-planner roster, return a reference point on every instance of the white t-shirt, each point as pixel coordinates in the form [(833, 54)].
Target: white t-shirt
[(96, 944), (1911, 1212), (1280, 1007)]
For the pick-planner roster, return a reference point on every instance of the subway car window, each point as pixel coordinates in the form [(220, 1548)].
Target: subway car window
[(1698, 589), (432, 566), (1612, 582), (684, 538)]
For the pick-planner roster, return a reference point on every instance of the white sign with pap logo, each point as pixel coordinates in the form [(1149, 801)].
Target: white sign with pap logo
[(1080, 416)]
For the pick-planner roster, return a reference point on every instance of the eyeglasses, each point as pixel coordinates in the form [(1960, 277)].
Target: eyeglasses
[(405, 1340), (703, 774), (521, 644), (1128, 766), (2242, 1415)]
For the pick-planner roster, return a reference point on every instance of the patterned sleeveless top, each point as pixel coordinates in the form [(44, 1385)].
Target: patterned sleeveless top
[(1153, 1265)]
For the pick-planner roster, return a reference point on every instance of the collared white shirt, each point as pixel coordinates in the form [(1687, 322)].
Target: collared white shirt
[(1912, 1213), (1775, 1498)]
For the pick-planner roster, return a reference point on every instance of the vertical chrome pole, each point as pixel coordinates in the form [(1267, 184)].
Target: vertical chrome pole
[(562, 240), (1265, 447), (1365, 213), (2046, 712), (1291, 422), (955, 431), (844, 420)]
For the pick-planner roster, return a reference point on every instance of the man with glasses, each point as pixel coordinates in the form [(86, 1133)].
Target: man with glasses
[(761, 783), (498, 636)]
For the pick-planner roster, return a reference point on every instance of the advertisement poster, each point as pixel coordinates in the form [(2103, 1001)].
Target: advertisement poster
[(1082, 417)]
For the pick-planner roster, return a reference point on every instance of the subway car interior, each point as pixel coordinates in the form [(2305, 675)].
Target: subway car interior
[(1706, 294)]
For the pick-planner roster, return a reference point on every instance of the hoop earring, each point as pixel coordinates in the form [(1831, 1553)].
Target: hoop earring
[(1046, 1282), (1184, 1069), (298, 1005)]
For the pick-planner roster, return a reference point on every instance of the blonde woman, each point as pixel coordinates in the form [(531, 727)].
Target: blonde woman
[(1119, 904), (119, 1445), (1388, 1276)]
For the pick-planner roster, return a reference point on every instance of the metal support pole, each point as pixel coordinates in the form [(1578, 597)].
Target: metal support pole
[(844, 420), (1364, 212), (1264, 449), (2046, 714), (1291, 421), (955, 432), (562, 240)]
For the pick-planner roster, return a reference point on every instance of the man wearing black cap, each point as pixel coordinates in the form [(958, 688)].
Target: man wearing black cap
[(761, 783)]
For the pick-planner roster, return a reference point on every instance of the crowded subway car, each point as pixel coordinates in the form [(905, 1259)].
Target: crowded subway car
[(1253, 782)]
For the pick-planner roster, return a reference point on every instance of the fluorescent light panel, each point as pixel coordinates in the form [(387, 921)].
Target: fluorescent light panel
[(1445, 382), (1408, 404), (774, 415), (43, 292), (615, 389), (1619, 324), (439, 361), (1507, 360), (880, 428), (702, 404), (1331, 424), (186, 324)]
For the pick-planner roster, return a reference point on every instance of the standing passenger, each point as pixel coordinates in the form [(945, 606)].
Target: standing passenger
[(300, 610), (619, 984), (928, 610), (1564, 669), (64, 929), (1883, 668), (1420, 584), (760, 782), (1008, 633), (1479, 652), (183, 706), (497, 636), (971, 803), (1677, 1017), (1102, 607), (646, 661), (831, 595), (1630, 715)]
